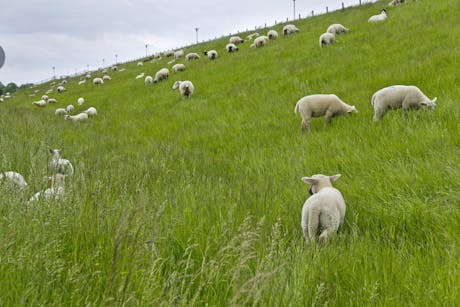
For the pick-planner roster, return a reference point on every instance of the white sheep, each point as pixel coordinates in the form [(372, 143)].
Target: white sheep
[(178, 67), (40, 103), (61, 89), (49, 91), (139, 76), (326, 39), (318, 105), (82, 82), (231, 47), (260, 41), (55, 192), (235, 40), (82, 117), (289, 29), (140, 64), (91, 111), (13, 178), (380, 17), (122, 69), (192, 56), (336, 29), (272, 35), (178, 54), (186, 88), (59, 165), (70, 108), (324, 211), (52, 101), (400, 96), (98, 81), (106, 78), (396, 2), (60, 111), (251, 36), (168, 53), (63, 82), (80, 101), (148, 80), (45, 97), (211, 54), (161, 75), (88, 76), (114, 68)]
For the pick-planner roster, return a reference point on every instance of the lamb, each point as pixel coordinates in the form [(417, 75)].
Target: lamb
[(80, 101), (114, 68), (59, 165), (106, 78), (400, 96), (260, 42), (91, 111), (148, 80), (82, 117), (321, 104), (251, 36), (69, 108), (13, 178), (61, 89), (192, 56), (336, 29), (161, 75), (141, 75), (52, 101), (272, 35), (88, 76), (231, 47), (289, 29), (324, 211), (178, 54), (60, 111), (140, 64), (56, 190), (178, 67), (45, 97), (82, 82), (326, 39), (235, 40), (40, 103), (186, 88), (396, 2), (98, 81), (211, 54), (168, 53), (380, 17)]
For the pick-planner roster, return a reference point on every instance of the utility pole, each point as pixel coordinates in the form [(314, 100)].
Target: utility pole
[(54, 72), (294, 8), (146, 47), (116, 59), (196, 30)]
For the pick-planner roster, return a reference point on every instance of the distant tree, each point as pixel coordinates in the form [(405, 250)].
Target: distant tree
[(10, 88), (26, 85), (1, 88)]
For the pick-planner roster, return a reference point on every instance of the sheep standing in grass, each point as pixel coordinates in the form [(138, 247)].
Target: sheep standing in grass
[(161, 75), (186, 88), (140, 64), (60, 111), (91, 111), (211, 54), (326, 39), (318, 105), (56, 190), (141, 75), (260, 42), (192, 56), (70, 108), (98, 81), (52, 101), (148, 80), (59, 165), (231, 47), (380, 17), (106, 78), (272, 35), (400, 96), (324, 211), (82, 117), (80, 101), (40, 103), (61, 89), (13, 178), (82, 82), (178, 54), (396, 2), (289, 29), (178, 67), (336, 29), (45, 97), (235, 40)]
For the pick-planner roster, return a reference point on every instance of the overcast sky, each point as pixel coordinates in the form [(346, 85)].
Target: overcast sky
[(73, 35)]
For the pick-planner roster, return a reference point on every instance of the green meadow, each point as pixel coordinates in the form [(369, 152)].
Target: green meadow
[(178, 202)]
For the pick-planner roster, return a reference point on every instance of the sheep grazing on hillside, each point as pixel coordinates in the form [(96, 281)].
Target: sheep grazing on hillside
[(161, 75), (114, 68), (380, 17), (52, 101), (49, 91), (40, 103), (61, 89), (336, 29), (13, 179), (400, 96), (178, 67), (63, 82), (60, 111), (235, 40), (178, 54), (80, 101), (141, 75), (45, 97), (192, 56), (318, 105), (69, 108), (59, 165), (272, 35), (106, 78), (251, 36), (82, 82), (211, 54), (148, 80), (98, 81), (140, 64), (231, 47), (259, 42), (168, 53), (186, 88), (326, 39), (88, 76), (55, 192), (289, 29), (396, 2), (91, 111), (324, 211), (82, 117)]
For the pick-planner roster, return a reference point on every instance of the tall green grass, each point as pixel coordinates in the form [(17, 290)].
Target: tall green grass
[(195, 202)]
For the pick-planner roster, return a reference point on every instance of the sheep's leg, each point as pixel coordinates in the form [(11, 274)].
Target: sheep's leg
[(328, 117), (325, 234), (306, 125), (378, 114)]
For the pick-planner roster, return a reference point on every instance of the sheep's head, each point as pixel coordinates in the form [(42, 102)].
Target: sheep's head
[(429, 104), (319, 181), (176, 85), (352, 110)]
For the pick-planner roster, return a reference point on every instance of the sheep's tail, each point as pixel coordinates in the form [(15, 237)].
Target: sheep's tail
[(296, 109), (313, 222), (320, 42), (373, 100)]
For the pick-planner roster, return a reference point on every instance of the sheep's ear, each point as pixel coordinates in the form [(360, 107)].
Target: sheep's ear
[(309, 180), (434, 100), (334, 178), (50, 151)]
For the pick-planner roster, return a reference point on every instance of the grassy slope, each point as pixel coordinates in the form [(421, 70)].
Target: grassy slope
[(180, 202)]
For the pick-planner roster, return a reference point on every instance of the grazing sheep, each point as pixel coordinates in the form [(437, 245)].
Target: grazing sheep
[(172, 61), (52, 101), (168, 53), (40, 103), (63, 82), (161, 75), (61, 89), (69, 108), (186, 88), (82, 82), (80, 101), (192, 56), (324, 211), (235, 40), (141, 75), (321, 104), (140, 64), (122, 69), (105, 70), (114, 68), (106, 78), (231, 47), (49, 91), (178, 54), (82, 117), (98, 81), (260, 42), (289, 29), (272, 34), (55, 192), (400, 96), (60, 111), (396, 2), (148, 80), (336, 29), (178, 67), (211, 54), (91, 111), (251, 36), (380, 17), (45, 97), (326, 39), (59, 165), (88, 76), (13, 178)]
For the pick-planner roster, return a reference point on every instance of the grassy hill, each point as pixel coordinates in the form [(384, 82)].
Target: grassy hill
[(194, 202)]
